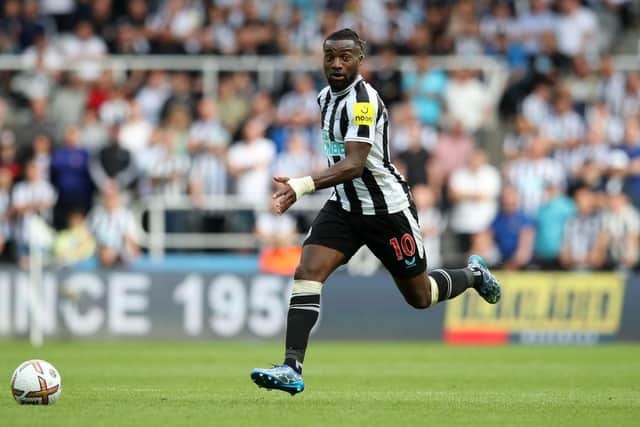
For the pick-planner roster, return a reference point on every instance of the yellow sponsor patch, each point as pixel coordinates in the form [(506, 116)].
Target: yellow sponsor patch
[(363, 113)]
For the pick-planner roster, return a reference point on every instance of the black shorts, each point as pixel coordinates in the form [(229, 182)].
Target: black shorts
[(394, 239)]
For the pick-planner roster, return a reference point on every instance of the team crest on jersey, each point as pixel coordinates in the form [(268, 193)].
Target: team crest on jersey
[(363, 113)]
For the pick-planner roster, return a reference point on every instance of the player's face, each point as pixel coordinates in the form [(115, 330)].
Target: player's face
[(341, 62)]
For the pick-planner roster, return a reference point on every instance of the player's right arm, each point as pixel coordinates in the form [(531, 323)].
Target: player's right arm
[(350, 167)]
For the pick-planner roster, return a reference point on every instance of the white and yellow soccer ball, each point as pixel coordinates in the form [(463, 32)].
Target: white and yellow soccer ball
[(36, 382)]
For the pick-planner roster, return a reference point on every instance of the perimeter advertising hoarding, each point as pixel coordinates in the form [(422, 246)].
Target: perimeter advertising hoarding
[(546, 308), (536, 308)]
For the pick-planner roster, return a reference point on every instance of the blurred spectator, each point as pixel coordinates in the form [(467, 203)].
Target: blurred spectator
[(70, 177), (208, 145), (550, 224), (40, 151), (426, 88), (576, 29), (612, 85), (388, 79), (631, 146), (432, 223), (43, 56), (174, 27), (621, 225), (499, 21), (299, 107), (6, 181), (531, 174), (61, 11), (166, 166), (534, 23), (75, 243), (452, 151), (38, 122), (10, 27), (599, 117), (181, 96), (277, 234), (95, 134), (466, 100), (249, 163), (582, 84), (218, 35), (517, 141), (34, 23), (153, 95), (296, 160), (473, 191), (584, 242), (8, 153), (135, 132), (86, 49), (535, 107), (115, 108), (564, 127), (513, 232), (414, 161), (34, 196), (233, 107), (631, 101), (69, 101), (405, 128), (115, 229), (112, 165)]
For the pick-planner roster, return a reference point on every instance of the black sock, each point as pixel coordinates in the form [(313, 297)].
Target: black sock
[(303, 314), (452, 283)]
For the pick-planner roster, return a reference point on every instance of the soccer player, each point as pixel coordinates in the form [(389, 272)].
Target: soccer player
[(371, 205)]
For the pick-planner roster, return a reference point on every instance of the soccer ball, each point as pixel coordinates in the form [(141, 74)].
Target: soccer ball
[(36, 382)]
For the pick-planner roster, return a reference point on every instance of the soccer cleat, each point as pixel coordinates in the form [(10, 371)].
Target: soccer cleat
[(280, 377), (489, 289)]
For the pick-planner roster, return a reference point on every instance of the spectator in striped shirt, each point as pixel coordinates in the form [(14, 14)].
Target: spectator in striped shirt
[(32, 197), (584, 243), (531, 174), (621, 224), (115, 229)]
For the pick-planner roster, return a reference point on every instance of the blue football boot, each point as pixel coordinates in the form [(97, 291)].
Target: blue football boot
[(280, 377), (489, 289)]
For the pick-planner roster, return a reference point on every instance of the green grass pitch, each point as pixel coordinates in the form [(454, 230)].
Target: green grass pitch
[(348, 384)]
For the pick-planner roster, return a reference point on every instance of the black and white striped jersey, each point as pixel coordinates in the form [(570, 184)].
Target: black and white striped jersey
[(358, 114)]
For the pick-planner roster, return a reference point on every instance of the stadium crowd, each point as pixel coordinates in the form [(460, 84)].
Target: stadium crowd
[(77, 147)]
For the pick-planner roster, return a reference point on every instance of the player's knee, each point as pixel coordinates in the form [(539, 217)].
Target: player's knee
[(418, 301), (310, 272)]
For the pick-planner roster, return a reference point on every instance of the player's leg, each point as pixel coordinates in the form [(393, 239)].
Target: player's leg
[(316, 265), (330, 243), (396, 240), (425, 290)]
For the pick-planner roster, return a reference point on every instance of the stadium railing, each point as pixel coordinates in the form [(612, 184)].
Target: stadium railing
[(157, 240)]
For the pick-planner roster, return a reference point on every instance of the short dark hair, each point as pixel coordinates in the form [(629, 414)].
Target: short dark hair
[(347, 34)]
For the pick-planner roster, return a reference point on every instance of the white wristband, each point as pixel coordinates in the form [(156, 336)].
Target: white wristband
[(302, 186)]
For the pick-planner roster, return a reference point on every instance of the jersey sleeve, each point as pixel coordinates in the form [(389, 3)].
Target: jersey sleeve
[(361, 113)]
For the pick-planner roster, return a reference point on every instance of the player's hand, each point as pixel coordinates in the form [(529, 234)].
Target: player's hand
[(284, 196)]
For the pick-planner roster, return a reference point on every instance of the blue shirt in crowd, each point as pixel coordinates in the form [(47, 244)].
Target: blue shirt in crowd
[(426, 91), (506, 231), (550, 226), (70, 175)]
